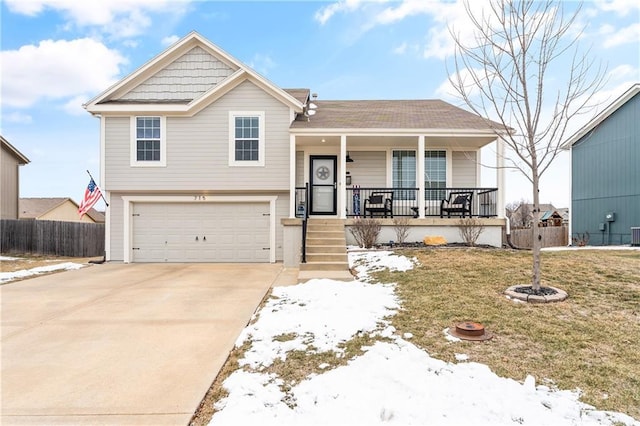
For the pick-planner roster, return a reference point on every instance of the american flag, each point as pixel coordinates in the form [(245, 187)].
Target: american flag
[(91, 196)]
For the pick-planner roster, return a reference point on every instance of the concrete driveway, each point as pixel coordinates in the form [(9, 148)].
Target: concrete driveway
[(118, 344)]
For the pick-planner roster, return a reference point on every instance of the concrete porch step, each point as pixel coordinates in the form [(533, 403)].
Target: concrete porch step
[(325, 248), (321, 241), (304, 276), (325, 234), (324, 266), (326, 257)]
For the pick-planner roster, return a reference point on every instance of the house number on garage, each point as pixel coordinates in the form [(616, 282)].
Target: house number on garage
[(199, 198)]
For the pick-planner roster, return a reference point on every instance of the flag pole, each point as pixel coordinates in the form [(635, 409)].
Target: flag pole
[(101, 194)]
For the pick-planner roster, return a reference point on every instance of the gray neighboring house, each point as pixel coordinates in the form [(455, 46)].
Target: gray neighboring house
[(205, 160), (605, 173), (10, 161)]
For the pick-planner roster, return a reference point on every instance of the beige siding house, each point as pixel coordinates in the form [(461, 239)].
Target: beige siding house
[(10, 161), (57, 209), (204, 160)]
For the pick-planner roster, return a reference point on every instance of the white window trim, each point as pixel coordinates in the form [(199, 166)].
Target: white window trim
[(232, 139), (163, 144)]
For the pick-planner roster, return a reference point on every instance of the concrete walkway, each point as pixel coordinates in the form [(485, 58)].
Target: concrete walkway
[(118, 344)]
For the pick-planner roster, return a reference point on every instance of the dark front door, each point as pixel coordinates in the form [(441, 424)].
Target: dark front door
[(323, 184)]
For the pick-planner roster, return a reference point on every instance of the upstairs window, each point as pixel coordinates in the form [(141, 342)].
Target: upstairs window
[(246, 144), (148, 145)]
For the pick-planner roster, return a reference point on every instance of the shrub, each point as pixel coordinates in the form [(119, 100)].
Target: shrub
[(470, 229), (401, 228), (366, 232), (581, 240)]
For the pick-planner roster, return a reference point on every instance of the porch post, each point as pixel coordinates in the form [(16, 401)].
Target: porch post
[(292, 176), (342, 187), (420, 177), (500, 207)]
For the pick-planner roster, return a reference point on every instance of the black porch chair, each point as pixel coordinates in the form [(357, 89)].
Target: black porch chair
[(379, 203), (457, 203)]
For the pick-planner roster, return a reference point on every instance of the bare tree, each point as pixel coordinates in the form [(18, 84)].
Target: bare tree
[(519, 213), (515, 72)]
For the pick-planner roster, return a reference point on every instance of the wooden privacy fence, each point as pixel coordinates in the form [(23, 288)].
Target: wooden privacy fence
[(47, 237), (552, 236)]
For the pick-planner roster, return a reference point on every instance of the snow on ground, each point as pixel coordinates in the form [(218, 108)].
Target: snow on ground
[(6, 277), (8, 258), (393, 382), (365, 262)]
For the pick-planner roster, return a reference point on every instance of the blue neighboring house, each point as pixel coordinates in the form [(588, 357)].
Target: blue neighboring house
[(605, 174)]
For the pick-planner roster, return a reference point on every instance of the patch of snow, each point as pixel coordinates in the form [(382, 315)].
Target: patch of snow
[(320, 312), (449, 337), (66, 266), (462, 357), (407, 336), (392, 382), (8, 258), (365, 262), (400, 383)]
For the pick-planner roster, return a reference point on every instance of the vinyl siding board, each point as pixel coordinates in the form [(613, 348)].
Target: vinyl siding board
[(368, 169), (9, 185), (198, 149), (116, 228), (606, 177), (464, 169), (300, 181)]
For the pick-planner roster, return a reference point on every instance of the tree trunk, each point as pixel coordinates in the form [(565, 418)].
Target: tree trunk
[(537, 237)]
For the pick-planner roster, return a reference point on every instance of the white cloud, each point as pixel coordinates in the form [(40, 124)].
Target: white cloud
[(621, 7), (400, 50), (447, 91), (408, 8), (121, 18), (17, 117), (167, 41), (74, 105), (630, 34), (57, 69), (342, 6), (262, 63)]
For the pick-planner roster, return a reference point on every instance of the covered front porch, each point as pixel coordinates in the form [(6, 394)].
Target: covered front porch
[(388, 176)]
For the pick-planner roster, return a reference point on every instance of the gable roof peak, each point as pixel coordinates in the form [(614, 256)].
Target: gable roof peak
[(603, 115), (185, 44)]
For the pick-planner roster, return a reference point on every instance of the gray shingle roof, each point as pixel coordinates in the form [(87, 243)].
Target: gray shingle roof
[(31, 208), (300, 94), (391, 114)]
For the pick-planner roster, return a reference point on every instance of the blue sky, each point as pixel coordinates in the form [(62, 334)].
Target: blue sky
[(58, 54)]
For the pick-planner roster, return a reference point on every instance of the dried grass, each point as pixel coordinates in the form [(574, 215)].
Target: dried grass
[(590, 341)]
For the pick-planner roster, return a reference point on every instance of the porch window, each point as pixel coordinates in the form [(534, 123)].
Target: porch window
[(246, 141), (404, 174), (435, 174), (148, 141)]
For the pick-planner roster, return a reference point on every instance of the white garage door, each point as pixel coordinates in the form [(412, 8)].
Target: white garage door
[(200, 232)]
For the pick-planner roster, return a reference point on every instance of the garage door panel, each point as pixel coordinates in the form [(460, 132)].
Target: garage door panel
[(200, 232)]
